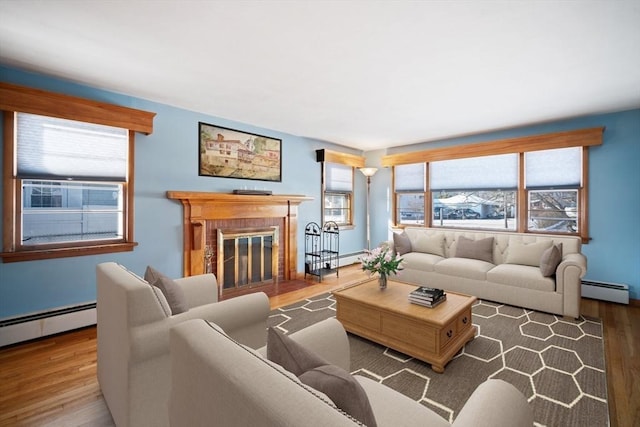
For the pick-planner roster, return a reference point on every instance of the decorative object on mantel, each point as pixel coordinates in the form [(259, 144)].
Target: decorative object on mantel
[(253, 192), (230, 153), (383, 261)]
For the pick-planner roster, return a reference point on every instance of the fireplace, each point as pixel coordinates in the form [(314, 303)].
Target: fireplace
[(247, 257), (207, 214)]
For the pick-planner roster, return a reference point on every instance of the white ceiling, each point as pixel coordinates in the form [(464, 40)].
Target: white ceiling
[(364, 74)]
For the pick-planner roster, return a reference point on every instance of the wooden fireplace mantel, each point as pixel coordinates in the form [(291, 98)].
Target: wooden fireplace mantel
[(198, 207)]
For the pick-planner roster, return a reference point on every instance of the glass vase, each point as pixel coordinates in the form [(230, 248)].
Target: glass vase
[(382, 281)]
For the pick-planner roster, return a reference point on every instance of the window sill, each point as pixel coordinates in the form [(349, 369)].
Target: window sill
[(38, 254)]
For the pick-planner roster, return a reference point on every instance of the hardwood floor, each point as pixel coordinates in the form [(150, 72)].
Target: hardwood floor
[(52, 381)]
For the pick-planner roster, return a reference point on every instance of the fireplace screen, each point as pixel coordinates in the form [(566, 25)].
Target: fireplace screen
[(247, 257)]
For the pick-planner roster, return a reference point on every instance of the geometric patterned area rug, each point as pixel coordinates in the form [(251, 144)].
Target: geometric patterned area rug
[(557, 364)]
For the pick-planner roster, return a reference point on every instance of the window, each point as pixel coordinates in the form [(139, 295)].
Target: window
[(337, 185), (553, 179), (338, 194), (531, 184), (70, 200), (409, 185), (70, 190), (477, 192)]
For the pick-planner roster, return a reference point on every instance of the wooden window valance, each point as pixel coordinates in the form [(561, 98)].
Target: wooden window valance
[(36, 101), (575, 138)]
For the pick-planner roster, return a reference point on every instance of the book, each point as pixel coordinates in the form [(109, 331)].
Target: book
[(425, 299), (426, 292), (430, 304)]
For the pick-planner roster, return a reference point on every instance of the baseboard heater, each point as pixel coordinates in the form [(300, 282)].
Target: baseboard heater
[(349, 259), (44, 323), (605, 291)]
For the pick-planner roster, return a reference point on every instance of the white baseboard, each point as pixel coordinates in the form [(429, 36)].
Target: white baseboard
[(41, 324)]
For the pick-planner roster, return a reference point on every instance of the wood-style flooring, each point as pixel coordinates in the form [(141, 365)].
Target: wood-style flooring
[(52, 381)]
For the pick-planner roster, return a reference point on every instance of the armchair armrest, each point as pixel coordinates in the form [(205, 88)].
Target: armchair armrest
[(495, 403), (200, 289), (243, 318), (327, 339)]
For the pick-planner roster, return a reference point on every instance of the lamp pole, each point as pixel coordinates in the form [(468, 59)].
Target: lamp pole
[(368, 172)]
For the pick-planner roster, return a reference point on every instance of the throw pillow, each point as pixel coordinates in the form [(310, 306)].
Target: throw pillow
[(172, 292), (312, 370), (527, 253), (550, 259), (475, 249), (401, 243), (430, 244)]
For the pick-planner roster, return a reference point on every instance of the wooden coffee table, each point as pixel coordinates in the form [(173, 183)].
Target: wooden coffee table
[(433, 335)]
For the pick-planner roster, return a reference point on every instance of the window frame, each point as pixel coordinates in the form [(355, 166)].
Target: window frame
[(14, 99), (327, 156), (584, 138)]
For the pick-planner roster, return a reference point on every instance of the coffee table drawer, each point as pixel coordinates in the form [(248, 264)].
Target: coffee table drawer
[(448, 333), (464, 320)]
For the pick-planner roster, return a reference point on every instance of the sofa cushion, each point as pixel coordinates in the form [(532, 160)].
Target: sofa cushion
[(550, 259), (481, 249), (527, 253), (429, 244), (170, 289), (401, 243), (522, 276), (420, 261), (315, 372), (464, 267)]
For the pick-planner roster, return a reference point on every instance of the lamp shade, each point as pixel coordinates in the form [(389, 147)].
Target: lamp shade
[(368, 171)]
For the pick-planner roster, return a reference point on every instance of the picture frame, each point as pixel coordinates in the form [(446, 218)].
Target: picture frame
[(232, 153)]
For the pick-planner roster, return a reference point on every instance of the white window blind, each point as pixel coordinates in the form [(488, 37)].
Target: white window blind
[(561, 167), (410, 177), (52, 148), (339, 178), (475, 173)]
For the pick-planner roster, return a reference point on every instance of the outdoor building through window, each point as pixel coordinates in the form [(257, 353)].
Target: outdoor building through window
[(70, 190), (476, 192)]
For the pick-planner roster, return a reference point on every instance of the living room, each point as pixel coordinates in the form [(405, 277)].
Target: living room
[(167, 159)]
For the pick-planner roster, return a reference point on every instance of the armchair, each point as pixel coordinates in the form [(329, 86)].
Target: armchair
[(133, 323)]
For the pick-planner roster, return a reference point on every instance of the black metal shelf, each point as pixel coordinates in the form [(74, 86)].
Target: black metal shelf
[(321, 249)]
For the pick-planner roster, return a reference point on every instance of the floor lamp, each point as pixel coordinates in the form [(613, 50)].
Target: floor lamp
[(368, 172)]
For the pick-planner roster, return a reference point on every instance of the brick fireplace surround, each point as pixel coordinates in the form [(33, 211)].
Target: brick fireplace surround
[(204, 213)]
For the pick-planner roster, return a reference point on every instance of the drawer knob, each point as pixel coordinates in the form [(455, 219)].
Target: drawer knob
[(465, 320), (449, 333)]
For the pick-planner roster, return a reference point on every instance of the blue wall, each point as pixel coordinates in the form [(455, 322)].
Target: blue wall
[(614, 192), (165, 160), (168, 160)]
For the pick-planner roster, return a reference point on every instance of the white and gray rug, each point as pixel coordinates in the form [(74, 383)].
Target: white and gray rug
[(557, 364)]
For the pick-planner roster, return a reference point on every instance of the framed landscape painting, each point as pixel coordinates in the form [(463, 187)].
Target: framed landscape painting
[(230, 153)]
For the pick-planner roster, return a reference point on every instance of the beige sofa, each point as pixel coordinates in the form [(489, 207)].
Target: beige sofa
[(217, 381), (511, 277), (133, 337)]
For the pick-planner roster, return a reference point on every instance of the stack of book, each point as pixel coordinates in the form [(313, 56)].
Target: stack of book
[(429, 297)]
